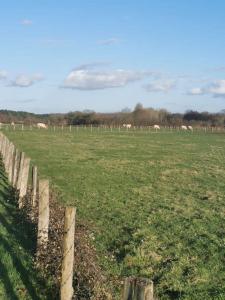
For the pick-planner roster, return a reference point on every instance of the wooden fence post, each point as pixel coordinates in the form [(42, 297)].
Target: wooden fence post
[(11, 162), (15, 168), (66, 290), (43, 213), (8, 158), (138, 289), (6, 149), (21, 161), (1, 142), (3, 148), (24, 180), (34, 186)]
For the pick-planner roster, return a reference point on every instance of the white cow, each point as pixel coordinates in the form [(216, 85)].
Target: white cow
[(190, 128), (184, 127), (127, 126), (42, 125), (12, 124), (156, 127)]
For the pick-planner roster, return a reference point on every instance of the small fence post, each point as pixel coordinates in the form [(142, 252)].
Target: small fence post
[(138, 289), (34, 186), (66, 290), (24, 180), (43, 213)]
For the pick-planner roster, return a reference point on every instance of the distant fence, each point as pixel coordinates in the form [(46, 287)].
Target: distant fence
[(113, 128), (18, 167)]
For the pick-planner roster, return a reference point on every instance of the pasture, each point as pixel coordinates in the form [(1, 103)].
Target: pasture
[(153, 201)]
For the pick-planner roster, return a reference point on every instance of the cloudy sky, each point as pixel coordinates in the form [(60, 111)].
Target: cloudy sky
[(59, 56)]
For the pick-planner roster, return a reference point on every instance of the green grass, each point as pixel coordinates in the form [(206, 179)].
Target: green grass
[(18, 279), (154, 201)]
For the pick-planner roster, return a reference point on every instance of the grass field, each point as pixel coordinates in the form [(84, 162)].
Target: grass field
[(155, 202), (18, 279)]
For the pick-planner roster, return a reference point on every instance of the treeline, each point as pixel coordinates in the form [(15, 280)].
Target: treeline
[(140, 116)]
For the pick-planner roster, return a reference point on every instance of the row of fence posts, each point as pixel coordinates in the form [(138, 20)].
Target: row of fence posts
[(17, 166), (118, 128)]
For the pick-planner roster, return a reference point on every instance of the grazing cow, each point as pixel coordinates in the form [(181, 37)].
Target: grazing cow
[(190, 128), (12, 124), (42, 125), (127, 126), (184, 127), (156, 127)]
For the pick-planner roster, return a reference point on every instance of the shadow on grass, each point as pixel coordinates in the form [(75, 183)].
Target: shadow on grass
[(19, 243), (7, 282)]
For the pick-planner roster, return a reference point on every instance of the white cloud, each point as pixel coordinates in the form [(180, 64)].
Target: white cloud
[(23, 80), (83, 78), (215, 88), (3, 74), (26, 22), (163, 86), (195, 91), (110, 41)]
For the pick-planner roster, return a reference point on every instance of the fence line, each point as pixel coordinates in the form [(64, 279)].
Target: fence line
[(115, 128), (17, 167)]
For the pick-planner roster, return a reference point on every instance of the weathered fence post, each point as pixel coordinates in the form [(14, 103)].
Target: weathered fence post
[(138, 289), (6, 153), (66, 291), (21, 161), (7, 159), (11, 162), (15, 168), (6, 149), (24, 180), (43, 213), (1, 142), (34, 186)]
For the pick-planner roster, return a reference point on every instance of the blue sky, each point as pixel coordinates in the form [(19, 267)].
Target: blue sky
[(105, 55)]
